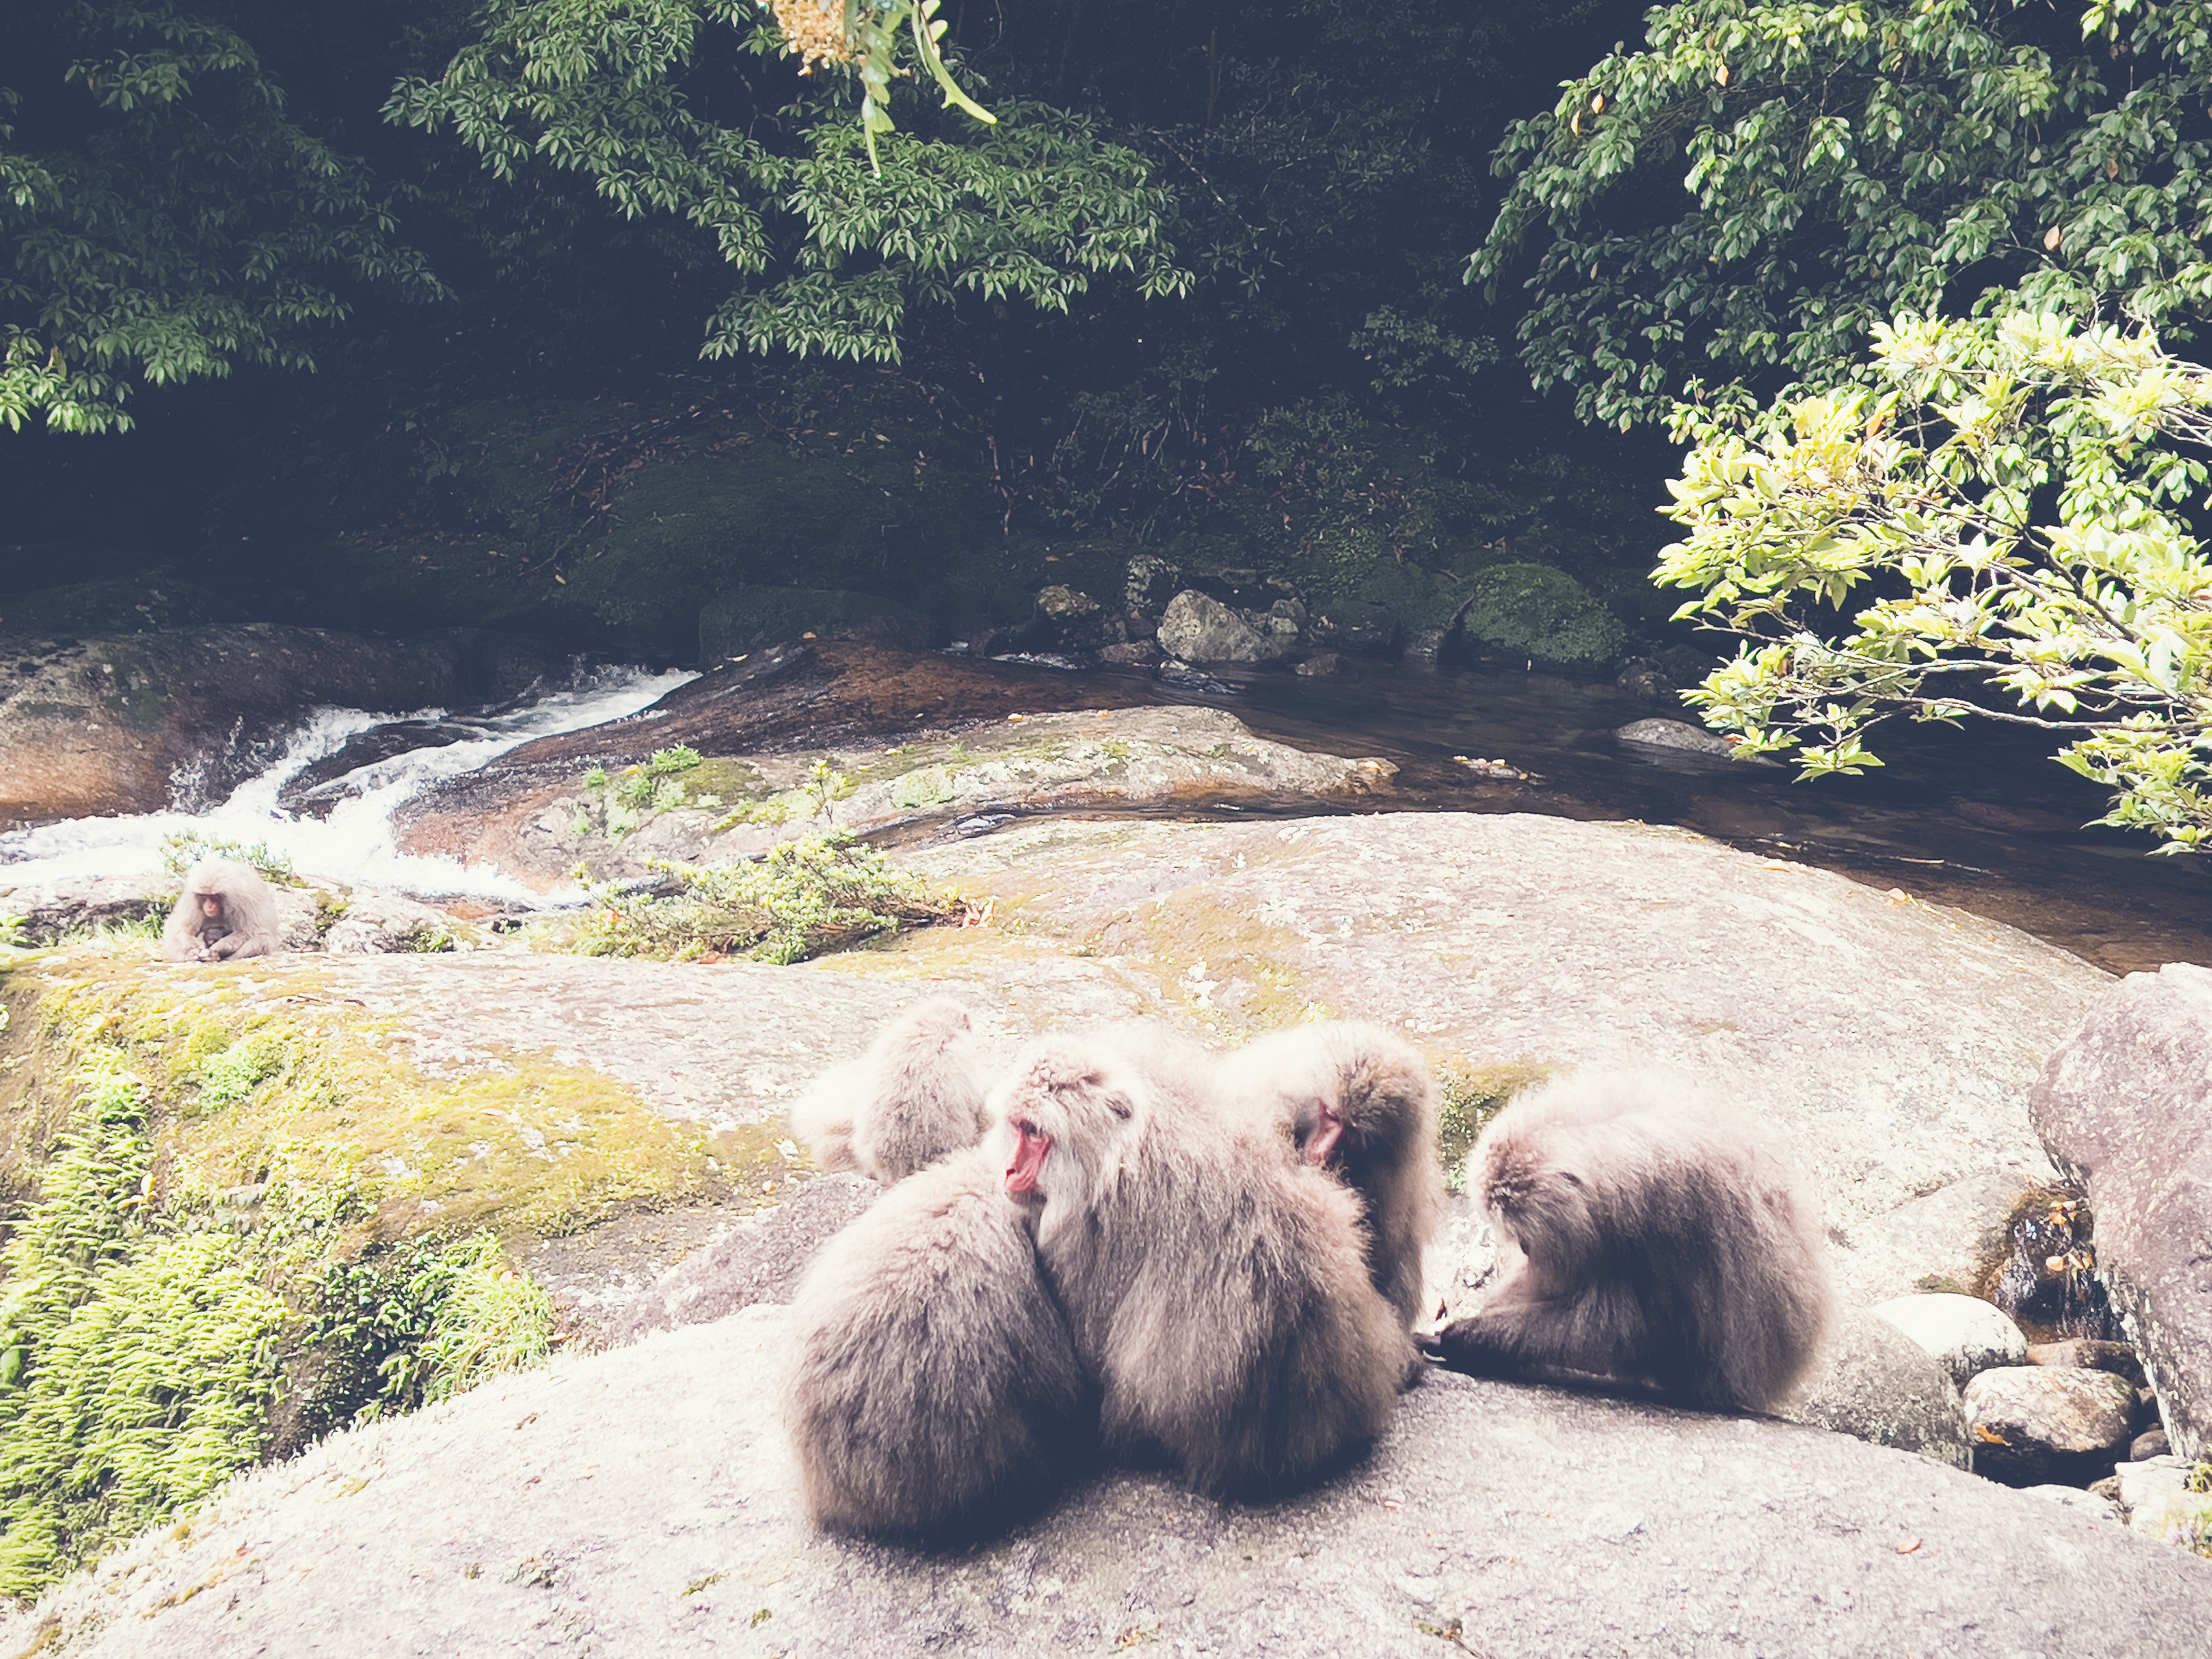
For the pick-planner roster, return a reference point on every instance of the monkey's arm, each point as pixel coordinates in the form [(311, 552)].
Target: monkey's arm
[(224, 946), (1513, 1338)]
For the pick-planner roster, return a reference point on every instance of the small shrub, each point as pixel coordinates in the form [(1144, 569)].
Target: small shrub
[(237, 1070), (186, 848), (491, 1319), (622, 802), (818, 894)]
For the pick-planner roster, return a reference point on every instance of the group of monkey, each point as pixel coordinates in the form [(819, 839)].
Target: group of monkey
[(1125, 1248)]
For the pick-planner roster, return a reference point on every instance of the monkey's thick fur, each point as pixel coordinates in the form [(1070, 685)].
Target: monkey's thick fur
[(916, 1094), (1663, 1240), (936, 1392), (248, 926), (1219, 1292), (1358, 1102)]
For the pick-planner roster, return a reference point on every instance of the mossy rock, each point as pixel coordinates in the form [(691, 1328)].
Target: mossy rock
[(1533, 611), (748, 617)]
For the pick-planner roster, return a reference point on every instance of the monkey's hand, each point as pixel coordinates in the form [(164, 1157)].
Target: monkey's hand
[(222, 947), (1467, 1345)]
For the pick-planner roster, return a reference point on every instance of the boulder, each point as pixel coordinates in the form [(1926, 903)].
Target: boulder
[(1875, 1384), (1953, 1239), (1545, 615), (644, 1501), (1197, 628), (2154, 1497), (1321, 665), (1676, 735), (2151, 1442), (125, 604), (2087, 1354), (373, 923), (2032, 1423), (1150, 583), (2125, 1110), (47, 910), (1964, 1335), (742, 620)]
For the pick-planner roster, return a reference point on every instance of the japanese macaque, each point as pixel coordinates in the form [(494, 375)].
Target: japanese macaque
[(1359, 1103), (226, 911), (1217, 1291), (936, 1394), (916, 1094), (1662, 1241)]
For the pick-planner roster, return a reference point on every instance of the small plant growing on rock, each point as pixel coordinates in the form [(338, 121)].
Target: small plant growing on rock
[(185, 847), (806, 897), (622, 802)]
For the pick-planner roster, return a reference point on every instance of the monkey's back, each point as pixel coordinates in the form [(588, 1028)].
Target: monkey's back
[(1678, 1223), (935, 1390), (1251, 1346)]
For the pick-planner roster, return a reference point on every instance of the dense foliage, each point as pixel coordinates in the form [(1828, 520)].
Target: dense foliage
[(162, 217), (2028, 481), (1748, 194)]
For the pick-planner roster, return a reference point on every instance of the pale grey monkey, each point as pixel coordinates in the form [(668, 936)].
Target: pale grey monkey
[(1217, 1290), (936, 1392), (916, 1094), (1661, 1239), (225, 912)]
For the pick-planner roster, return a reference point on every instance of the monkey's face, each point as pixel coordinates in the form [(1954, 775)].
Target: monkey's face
[(1025, 1169), (212, 906), (1064, 1115)]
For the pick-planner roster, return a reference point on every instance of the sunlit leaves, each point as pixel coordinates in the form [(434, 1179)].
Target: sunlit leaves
[(2098, 625)]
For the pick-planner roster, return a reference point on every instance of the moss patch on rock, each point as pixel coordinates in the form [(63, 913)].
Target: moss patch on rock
[(1533, 611), (241, 1217)]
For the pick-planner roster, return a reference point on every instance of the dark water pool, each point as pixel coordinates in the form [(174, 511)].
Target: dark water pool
[(1982, 818)]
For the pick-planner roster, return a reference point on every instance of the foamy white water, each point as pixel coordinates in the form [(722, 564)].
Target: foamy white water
[(357, 843)]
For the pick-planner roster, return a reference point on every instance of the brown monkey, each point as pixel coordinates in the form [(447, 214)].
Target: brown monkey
[(936, 1394), (916, 1095), (1359, 1103), (1662, 1241), (226, 910), (1218, 1292)]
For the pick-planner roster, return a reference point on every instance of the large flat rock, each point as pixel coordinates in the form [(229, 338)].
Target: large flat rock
[(644, 1502)]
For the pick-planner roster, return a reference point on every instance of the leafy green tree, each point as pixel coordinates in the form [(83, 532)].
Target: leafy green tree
[(2008, 511), (1749, 193), (850, 224), (162, 217)]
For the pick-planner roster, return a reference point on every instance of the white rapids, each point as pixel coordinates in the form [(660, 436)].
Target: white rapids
[(357, 843)]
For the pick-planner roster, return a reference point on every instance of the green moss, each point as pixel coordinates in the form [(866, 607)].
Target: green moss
[(1533, 611), (1469, 1096), (239, 1220)]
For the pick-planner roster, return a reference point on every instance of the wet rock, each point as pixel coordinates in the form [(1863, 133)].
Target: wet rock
[(1537, 613), (315, 789), (744, 619), (1359, 626), (49, 910), (2048, 1276), (2084, 1353), (1074, 624), (2031, 1422), (2155, 1499), (1423, 646), (1152, 582), (1197, 628), (1136, 653), (762, 1259), (2151, 1442), (374, 924), (1962, 1333), (2126, 1110), (1875, 1383), (1675, 734), (1321, 666), (1182, 676), (131, 723), (1475, 1514)]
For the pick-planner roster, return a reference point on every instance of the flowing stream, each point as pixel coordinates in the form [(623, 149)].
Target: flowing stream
[(353, 841)]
